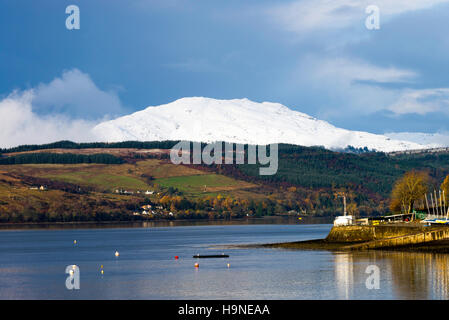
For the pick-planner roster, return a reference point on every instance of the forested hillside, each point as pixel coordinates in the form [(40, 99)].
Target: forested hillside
[(367, 178), (66, 158), (104, 181)]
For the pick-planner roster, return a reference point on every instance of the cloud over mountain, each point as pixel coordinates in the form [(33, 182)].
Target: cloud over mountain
[(66, 108)]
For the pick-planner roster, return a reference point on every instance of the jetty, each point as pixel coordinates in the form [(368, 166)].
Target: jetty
[(393, 236), (425, 227), (399, 236)]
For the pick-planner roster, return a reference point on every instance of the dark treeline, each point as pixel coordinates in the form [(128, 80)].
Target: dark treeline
[(90, 145), (168, 144), (62, 158)]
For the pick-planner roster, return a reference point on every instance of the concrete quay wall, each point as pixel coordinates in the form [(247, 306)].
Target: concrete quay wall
[(426, 235)]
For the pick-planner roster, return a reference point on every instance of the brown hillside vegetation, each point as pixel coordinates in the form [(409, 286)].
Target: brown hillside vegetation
[(81, 192)]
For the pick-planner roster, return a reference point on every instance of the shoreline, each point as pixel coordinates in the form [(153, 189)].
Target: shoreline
[(438, 246), (314, 244), (162, 223), (403, 238)]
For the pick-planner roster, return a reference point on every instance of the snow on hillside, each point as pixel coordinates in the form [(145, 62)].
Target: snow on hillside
[(239, 121), (433, 140)]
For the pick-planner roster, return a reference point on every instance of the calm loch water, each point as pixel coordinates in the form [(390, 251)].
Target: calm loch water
[(33, 263)]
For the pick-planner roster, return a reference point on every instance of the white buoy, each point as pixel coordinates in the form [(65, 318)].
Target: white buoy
[(117, 254)]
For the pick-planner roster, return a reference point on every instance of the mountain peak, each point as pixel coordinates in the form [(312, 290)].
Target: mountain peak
[(240, 121)]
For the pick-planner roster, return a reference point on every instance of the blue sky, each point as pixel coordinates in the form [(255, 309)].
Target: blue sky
[(315, 56)]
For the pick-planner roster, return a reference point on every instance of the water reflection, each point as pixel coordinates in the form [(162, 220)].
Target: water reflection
[(167, 223), (406, 275), (32, 265), (411, 273), (344, 275), (441, 277)]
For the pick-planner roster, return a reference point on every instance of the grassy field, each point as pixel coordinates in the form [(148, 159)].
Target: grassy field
[(205, 183), (142, 175), (162, 169), (101, 180), (105, 177)]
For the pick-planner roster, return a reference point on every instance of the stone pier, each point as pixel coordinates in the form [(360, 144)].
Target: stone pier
[(384, 236)]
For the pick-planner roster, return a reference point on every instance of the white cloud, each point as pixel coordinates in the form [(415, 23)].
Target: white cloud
[(360, 88), (67, 108), (351, 84), (350, 71), (20, 125), (76, 95), (421, 101), (305, 16), (335, 80)]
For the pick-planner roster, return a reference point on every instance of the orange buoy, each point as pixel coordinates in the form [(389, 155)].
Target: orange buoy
[(197, 265)]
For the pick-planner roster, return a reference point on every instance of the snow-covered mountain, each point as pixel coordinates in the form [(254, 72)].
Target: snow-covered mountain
[(239, 121), (434, 140)]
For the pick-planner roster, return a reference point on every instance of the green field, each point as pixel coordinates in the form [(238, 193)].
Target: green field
[(135, 177), (101, 180), (209, 183)]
